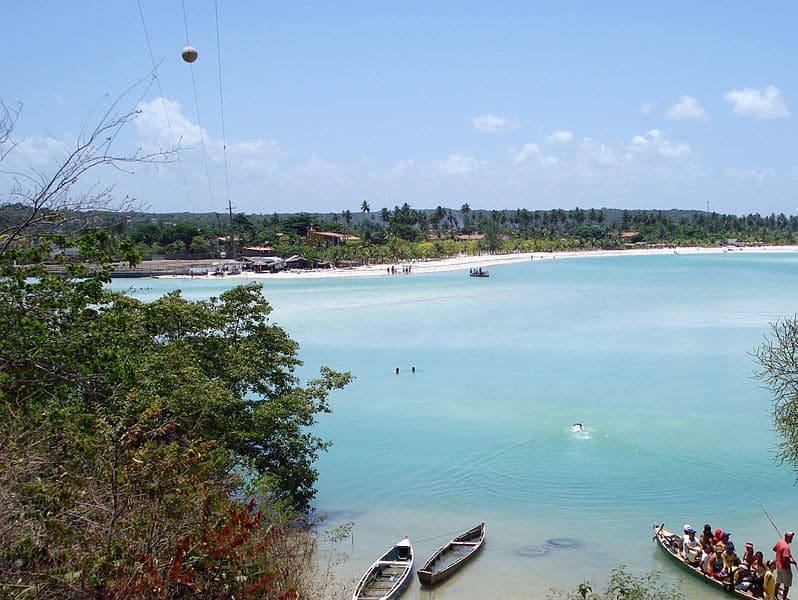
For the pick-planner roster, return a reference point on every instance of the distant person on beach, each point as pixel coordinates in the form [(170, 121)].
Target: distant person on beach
[(783, 561)]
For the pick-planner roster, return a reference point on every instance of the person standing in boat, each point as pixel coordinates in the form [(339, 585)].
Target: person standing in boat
[(783, 561)]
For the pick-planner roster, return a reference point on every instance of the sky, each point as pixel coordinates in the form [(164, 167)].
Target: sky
[(319, 106)]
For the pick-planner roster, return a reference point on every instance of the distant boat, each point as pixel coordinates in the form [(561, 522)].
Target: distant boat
[(479, 272), (387, 578), (671, 544), (449, 558)]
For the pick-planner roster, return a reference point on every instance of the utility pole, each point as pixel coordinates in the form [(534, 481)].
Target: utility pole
[(232, 230)]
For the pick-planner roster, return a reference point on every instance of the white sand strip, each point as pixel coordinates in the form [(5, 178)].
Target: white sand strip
[(487, 260)]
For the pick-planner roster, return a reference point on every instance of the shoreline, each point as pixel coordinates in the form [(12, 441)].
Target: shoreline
[(484, 261)]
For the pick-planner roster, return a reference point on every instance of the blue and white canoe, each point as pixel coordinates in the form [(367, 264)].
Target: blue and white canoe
[(387, 578)]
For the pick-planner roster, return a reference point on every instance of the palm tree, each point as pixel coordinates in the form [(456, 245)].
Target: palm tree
[(465, 209), (364, 207)]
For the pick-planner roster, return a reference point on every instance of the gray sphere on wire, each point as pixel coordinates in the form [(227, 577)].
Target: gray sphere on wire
[(189, 54)]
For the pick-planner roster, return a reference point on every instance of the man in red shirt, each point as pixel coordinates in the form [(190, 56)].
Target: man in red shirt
[(783, 560)]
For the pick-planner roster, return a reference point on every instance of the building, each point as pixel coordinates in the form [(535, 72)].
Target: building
[(257, 251), (263, 264), (329, 238)]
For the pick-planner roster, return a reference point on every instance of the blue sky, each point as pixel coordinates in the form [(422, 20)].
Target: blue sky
[(501, 105)]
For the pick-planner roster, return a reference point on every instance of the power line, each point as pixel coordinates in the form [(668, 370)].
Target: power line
[(163, 102), (196, 106), (224, 133)]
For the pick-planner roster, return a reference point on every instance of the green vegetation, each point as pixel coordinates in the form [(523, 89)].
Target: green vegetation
[(130, 430), (146, 450), (404, 233), (777, 358), (625, 586)]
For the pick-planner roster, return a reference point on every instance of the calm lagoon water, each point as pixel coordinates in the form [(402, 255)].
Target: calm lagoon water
[(650, 353)]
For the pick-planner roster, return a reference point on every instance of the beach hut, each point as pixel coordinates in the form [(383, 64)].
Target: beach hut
[(264, 264)]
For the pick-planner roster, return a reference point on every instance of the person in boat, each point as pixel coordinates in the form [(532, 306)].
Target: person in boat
[(729, 557), (706, 536), (691, 547), (706, 556), (758, 569), (783, 561), (748, 555), (722, 540), (714, 565), (769, 581), (740, 577)]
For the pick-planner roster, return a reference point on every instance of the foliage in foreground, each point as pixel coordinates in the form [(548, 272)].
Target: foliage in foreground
[(130, 433), (624, 586), (777, 358), (154, 450)]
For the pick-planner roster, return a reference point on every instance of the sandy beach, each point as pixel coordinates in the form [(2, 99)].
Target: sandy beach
[(486, 261)]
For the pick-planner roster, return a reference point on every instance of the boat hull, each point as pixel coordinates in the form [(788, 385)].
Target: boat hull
[(451, 557), (670, 543), (388, 576)]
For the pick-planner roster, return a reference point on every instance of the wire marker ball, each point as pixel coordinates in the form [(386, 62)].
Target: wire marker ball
[(189, 54)]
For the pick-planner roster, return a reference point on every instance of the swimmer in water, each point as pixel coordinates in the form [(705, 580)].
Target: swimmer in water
[(577, 427)]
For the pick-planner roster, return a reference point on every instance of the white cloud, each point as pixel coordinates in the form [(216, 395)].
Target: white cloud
[(688, 108), (489, 123), (603, 155), (258, 155), (152, 124), (755, 174), (653, 141), (39, 152), (669, 150), (320, 168), (400, 168), (459, 164), (560, 137), (645, 108), (767, 103), (532, 154)]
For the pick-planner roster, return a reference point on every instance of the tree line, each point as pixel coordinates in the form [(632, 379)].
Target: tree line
[(407, 233)]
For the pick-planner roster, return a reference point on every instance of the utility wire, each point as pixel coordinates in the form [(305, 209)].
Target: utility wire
[(163, 102), (221, 99), (224, 133), (196, 106)]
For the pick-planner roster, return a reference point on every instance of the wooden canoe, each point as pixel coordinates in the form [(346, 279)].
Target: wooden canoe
[(671, 544), (451, 556), (387, 578)]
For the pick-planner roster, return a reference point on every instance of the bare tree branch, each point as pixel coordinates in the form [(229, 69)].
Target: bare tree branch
[(41, 202)]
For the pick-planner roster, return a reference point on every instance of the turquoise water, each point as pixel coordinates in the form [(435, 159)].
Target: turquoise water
[(650, 353)]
